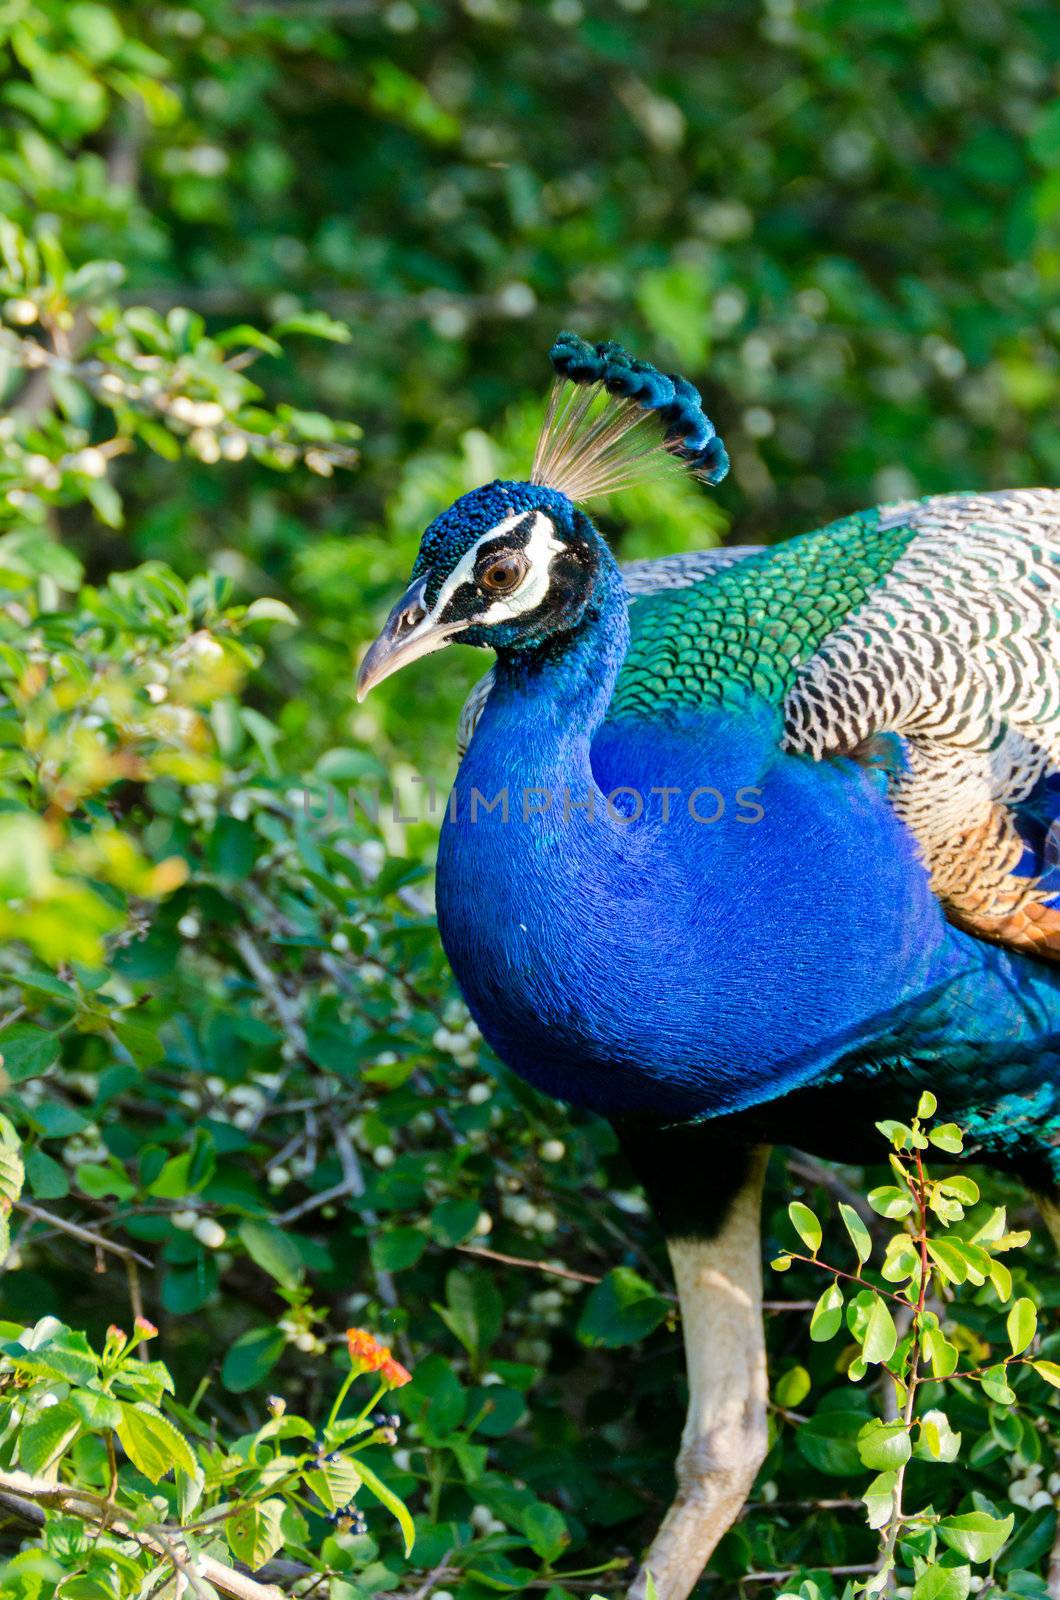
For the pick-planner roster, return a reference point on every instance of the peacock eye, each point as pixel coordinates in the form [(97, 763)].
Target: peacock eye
[(503, 574)]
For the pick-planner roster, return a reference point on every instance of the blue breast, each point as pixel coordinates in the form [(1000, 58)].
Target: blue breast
[(696, 959)]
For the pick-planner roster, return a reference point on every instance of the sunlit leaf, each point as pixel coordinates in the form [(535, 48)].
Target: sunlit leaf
[(976, 1535), (806, 1225)]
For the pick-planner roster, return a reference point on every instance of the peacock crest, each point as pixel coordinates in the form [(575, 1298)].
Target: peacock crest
[(613, 421)]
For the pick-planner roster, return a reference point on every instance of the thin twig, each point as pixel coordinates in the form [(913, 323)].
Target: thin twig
[(593, 1277), (354, 1178), (432, 1578), (784, 1573), (536, 1266), (851, 1277), (263, 975), (85, 1235), (337, 1191)]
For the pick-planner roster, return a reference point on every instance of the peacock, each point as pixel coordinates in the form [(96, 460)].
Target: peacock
[(748, 846)]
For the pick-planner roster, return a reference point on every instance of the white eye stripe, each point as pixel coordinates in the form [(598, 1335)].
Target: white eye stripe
[(538, 550)]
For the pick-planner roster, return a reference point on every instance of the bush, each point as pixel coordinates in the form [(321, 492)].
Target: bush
[(242, 1100)]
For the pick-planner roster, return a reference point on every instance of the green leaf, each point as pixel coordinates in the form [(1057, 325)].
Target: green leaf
[(927, 1105), (12, 1173), (177, 1179), (499, 1410), (546, 1530), (47, 1178), (884, 1445), (474, 1309), (942, 1355), (1021, 1325), (393, 1504), (827, 1316), (1006, 1428), (965, 1188), (881, 1335), (185, 1289), (1049, 1370), (98, 1179), (268, 609), (675, 302), (976, 1535), (274, 1251), (792, 1387), (860, 1237), (879, 1499), (943, 1583), (950, 1259), (27, 1051), (252, 1358), (621, 1309), (250, 338), (454, 1220), (890, 1201), (897, 1133), (334, 1482), (44, 1440), (397, 1249), (995, 1384), (436, 1395), (1001, 1278), (254, 1532), (62, 1353), (189, 1492), (152, 1443), (143, 1044), (96, 1410), (1033, 1540), (947, 1136), (829, 1441), (317, 324), (806, 1226), (938, 1441)]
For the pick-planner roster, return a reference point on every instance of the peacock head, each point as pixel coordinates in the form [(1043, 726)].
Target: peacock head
[(505, 567), (511, 565)]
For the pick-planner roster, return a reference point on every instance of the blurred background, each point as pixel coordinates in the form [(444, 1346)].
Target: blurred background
[(278, 279), (838, 217)]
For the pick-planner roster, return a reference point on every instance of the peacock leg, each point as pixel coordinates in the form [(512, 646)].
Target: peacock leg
[(719, 1286)]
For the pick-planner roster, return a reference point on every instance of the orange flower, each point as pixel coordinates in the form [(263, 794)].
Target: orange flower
[(393, 1374), (144, 1329), (365, 1350), (368, 1355)]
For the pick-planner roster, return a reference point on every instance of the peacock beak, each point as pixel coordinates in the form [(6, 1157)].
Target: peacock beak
[(408, 633)]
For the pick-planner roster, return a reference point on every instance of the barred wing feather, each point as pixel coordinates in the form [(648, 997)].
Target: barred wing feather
[(956, 651)]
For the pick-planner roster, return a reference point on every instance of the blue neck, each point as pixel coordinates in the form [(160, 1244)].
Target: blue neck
[(547, 703)]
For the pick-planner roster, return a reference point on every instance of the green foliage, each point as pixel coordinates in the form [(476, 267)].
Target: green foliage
[(917, 1334), (69, 1405), (240, 1094)]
